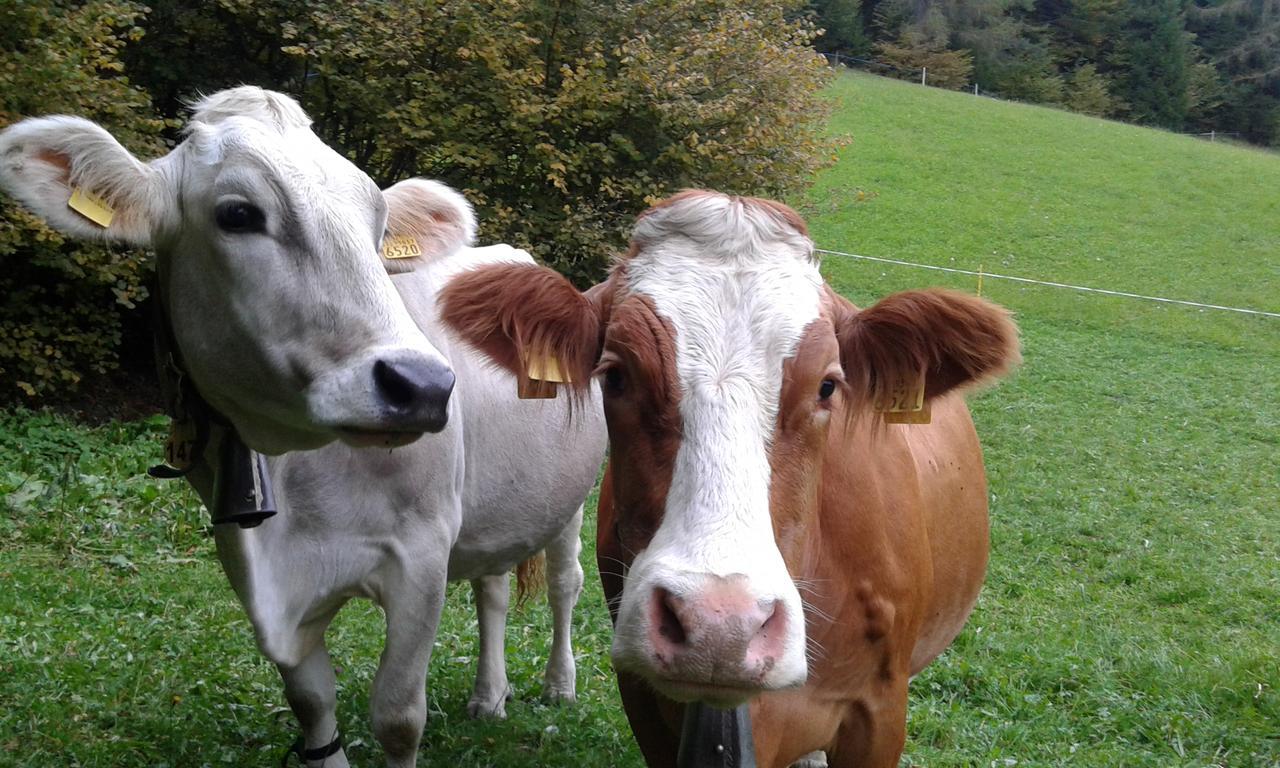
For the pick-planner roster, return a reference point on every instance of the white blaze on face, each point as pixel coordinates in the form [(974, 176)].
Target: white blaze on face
[(738, 285)]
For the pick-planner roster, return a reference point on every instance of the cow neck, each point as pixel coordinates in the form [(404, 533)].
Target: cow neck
[(242, 489)]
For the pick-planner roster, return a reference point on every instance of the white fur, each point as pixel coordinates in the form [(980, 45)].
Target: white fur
[(279, 330), (738, 286), (505, 479)]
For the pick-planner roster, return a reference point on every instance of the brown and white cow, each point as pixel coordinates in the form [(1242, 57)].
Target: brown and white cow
[(764, 535)]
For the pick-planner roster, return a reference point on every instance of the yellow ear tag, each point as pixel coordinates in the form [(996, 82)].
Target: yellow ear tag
[(402, 247), (544, 374), (905, 404), (91, 207)]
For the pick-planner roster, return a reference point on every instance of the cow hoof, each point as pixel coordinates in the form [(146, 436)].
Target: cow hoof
[(488, 707), (557, 696), (812, 760)]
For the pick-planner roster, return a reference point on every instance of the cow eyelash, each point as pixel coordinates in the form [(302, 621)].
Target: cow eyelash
[(612, 374)]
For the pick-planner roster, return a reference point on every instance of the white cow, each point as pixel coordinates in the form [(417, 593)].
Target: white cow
[(267, 250), (503, 479)]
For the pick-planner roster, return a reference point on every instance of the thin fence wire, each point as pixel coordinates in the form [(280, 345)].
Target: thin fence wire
[(1049, 283)]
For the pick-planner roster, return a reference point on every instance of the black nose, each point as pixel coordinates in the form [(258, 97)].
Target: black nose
[(415, 391)]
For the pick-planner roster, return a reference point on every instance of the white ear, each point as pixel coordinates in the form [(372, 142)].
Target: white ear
[(435, 215), (44, 160)]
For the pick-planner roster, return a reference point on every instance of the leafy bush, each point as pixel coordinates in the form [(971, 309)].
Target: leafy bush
[(61, 315), (561, 121)]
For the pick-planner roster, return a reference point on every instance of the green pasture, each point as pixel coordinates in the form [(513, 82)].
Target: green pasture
[(1132, 612)]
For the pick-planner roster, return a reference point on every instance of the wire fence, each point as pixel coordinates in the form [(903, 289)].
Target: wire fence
[(921, 74), (981, 274)]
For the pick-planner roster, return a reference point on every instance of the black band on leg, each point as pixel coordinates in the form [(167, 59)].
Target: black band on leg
[(307, 755)]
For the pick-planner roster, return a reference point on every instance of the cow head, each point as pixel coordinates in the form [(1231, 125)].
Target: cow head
[(728, 370), (268, 245)]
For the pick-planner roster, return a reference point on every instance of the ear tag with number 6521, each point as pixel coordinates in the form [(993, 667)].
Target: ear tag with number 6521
[(905, 403), (543, 374)]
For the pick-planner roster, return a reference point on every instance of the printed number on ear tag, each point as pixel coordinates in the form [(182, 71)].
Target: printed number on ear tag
[(905, 404), (401, 248), (91, 207)]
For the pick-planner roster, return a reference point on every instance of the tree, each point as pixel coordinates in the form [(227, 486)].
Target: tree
[(1156, 56), (61, 315), (841, 25)]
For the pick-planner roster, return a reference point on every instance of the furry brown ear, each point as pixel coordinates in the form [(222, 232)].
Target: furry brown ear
[(515, 313), (955, 339)]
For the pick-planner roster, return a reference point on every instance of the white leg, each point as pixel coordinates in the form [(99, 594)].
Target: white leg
[(564, 585), (310, 689), (489, 698), (399, 701)]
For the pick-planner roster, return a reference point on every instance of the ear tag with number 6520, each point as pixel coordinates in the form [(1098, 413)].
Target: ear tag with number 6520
[(401, 247)]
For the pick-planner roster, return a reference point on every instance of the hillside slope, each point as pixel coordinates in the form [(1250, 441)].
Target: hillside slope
[(951, 179)]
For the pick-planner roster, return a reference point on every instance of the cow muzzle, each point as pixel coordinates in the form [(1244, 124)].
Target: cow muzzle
[(717, 641), (389, 400)]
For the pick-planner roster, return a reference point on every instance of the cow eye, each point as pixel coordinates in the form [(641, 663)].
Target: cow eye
[(239, 216), (615, 381), (826, 389)]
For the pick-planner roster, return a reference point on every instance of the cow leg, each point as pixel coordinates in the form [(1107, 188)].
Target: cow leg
[(399, 703), (875, 733), (310, 689), (491, 692), (564, 585)]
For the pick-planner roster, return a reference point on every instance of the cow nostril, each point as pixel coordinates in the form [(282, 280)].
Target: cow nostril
[(669, 625), (394, 384), (412, 385), (776, 623)]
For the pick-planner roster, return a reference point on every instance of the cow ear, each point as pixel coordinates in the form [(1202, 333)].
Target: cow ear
[(954, 339), (425, 220), (521, 315), (78, 178)]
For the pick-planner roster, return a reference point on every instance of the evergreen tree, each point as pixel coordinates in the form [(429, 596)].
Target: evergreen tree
[(1156, 52), (841, 25)]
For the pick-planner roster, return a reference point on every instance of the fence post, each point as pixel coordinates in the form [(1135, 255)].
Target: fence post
[(924, 75), (1213, 136), (975, 89)]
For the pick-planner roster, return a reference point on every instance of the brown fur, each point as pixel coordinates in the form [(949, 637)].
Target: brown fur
[(531, 577), (883, 527), (512, 313), (951, 338)]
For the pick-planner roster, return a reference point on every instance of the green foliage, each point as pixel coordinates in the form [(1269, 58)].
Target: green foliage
[(912, 53), (841, 25), (1088, 93), (1157, 57), (60, 319), (1129, 614), (560, 121)]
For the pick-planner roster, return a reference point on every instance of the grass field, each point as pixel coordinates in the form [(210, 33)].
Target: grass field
[(1132, 612)]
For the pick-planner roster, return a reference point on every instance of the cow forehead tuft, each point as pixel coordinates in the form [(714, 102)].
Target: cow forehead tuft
[(725, 229), (270, 108)]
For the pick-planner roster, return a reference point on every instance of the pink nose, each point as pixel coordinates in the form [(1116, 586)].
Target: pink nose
[(716, 634)]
